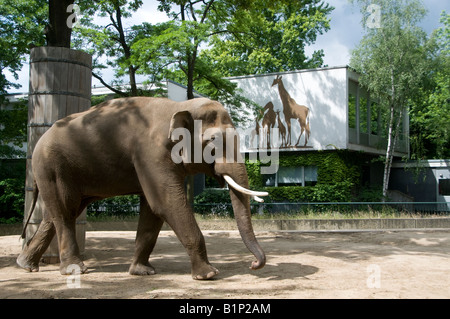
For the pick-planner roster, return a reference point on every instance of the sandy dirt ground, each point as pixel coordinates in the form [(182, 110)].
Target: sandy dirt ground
[(389, 264)]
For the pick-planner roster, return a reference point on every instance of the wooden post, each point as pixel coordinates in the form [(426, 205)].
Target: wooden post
[(60, 85)]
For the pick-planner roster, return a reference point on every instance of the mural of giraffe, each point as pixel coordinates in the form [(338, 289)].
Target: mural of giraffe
[(255, 132), (281, 130), (268, 122), (292, 110)]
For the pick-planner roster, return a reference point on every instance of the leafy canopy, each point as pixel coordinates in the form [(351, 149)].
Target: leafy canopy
[(269, 36), (430, 111), (22, 24)]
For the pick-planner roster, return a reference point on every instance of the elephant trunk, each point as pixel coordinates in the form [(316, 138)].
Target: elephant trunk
[(241, 207)]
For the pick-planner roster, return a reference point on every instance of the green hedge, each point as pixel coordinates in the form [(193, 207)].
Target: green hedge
[(115, 206), (12, 190), (219, 197), (12, 200), (339, 192)]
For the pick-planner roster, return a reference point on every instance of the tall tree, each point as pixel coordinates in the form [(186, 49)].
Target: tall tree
[(202, 37), (111, 39), (270, 37), (192, 26), (430, 111), (393, 60)]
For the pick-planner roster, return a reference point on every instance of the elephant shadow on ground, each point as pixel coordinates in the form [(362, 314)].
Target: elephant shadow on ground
[(271, 271), (170, 258)]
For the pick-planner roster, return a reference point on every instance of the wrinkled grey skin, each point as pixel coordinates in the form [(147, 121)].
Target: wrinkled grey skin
[(123, 147)]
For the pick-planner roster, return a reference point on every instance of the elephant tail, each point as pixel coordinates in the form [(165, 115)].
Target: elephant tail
[(33, 205)]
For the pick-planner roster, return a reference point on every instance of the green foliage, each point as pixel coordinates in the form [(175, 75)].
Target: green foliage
[(115, 206), (254, 174), (113, 41), (213, 196), (338, 174), (269, 37), (392, 59), (333, 167), (394, 62), (370, 194), (220, 199), (430, 111), (22, 24), (13, 133), (12, 200), (338, 192), (13, 130), (194, 48)]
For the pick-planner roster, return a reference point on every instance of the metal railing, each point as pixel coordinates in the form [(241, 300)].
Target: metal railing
[(339, 207), (223, 209)]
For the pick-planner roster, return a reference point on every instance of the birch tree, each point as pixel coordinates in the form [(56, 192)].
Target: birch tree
[(393, 60)]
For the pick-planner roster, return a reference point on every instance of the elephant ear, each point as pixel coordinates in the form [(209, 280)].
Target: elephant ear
[(182, 119)]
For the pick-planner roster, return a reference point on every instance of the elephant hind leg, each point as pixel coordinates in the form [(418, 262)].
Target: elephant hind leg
[(149, 226), (63, 205), (34, 249), (36, 246)]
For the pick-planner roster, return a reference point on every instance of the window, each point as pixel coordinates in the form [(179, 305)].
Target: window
[(269, 179), (352, 94), (292, 176), (363, 111), (211, 182), (375, 115), (310, 175), (444, 187)]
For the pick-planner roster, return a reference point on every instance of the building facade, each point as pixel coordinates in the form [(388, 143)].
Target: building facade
[(324, 133)]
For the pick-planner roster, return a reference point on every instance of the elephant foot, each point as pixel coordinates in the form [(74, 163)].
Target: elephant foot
[(26, 264), (72, 268), (204, 273), (139, 269)]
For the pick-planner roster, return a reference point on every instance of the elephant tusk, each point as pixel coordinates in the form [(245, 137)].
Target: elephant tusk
[(244, 190), (258, 199)]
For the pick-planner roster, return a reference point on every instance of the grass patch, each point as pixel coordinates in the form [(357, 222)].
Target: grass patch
[(307, 213), (328, 214)]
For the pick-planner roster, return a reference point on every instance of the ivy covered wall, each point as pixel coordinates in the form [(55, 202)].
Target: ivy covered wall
[(339, 176)]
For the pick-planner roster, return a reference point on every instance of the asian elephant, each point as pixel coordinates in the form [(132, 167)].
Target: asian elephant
[(123, 146)]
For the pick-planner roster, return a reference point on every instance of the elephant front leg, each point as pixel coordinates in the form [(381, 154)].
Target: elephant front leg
[(181, 219), (69, 252), (148, 230), (183, 223), (165, 193)]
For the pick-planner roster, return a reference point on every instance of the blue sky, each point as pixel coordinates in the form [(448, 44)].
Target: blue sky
[(345, 32)]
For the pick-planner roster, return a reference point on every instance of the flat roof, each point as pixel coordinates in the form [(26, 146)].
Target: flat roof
[(288, 72), (433, 163)]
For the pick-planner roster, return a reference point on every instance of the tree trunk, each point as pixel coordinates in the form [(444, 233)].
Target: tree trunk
[(190, 76), (190, 96), (58, 32), (133, 84), (389, 153), (126, 51)]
